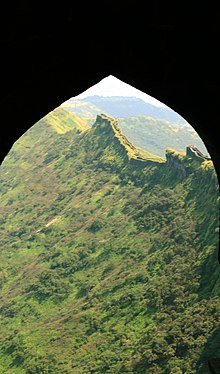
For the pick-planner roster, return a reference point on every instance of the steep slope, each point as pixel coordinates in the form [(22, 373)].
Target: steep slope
[(63, 121), (108, 255), (83, 109), (108, 127)]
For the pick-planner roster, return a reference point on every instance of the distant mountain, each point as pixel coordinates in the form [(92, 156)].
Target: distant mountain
[(111, 86), (155, 135), (108, 258), (118, 106), (82, 109), (145, 125)]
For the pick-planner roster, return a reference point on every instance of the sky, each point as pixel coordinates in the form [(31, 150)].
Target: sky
[(112, 86)]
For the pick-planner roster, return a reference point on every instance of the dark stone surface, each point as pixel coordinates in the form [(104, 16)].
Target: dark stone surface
[(214, 365)]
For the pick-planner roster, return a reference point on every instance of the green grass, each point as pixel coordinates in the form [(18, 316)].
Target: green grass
[(63, 121)]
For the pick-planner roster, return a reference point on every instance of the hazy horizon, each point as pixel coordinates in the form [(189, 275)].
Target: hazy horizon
[(112, 86)]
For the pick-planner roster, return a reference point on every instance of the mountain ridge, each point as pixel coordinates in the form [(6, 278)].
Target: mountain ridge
[(118, 106), (139, 125), (132, 152), (187, 161)]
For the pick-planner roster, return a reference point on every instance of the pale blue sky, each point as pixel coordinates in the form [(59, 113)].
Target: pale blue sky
[(111, 86)]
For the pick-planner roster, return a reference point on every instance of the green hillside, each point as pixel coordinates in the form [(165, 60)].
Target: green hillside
[(108, 260), (62, 121)]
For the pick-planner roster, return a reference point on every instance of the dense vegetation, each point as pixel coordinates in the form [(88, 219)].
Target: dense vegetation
[(108, 264)]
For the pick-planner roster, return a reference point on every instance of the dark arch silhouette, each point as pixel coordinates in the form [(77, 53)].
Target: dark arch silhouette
[(26, 108), (54, 53)]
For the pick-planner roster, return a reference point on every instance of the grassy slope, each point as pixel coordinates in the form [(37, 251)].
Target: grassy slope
[(82, 109), (62, 121), (105, 267)]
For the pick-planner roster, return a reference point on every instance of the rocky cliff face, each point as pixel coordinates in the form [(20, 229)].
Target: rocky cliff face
[(190, 161), (183, 162), (109, 126), (175, 160), (194, 153)]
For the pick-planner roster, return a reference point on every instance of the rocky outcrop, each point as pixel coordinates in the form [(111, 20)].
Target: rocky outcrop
[(190, 161), (184, 162), (193, 152), (112, 125), (134, 155), (174, 159)]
